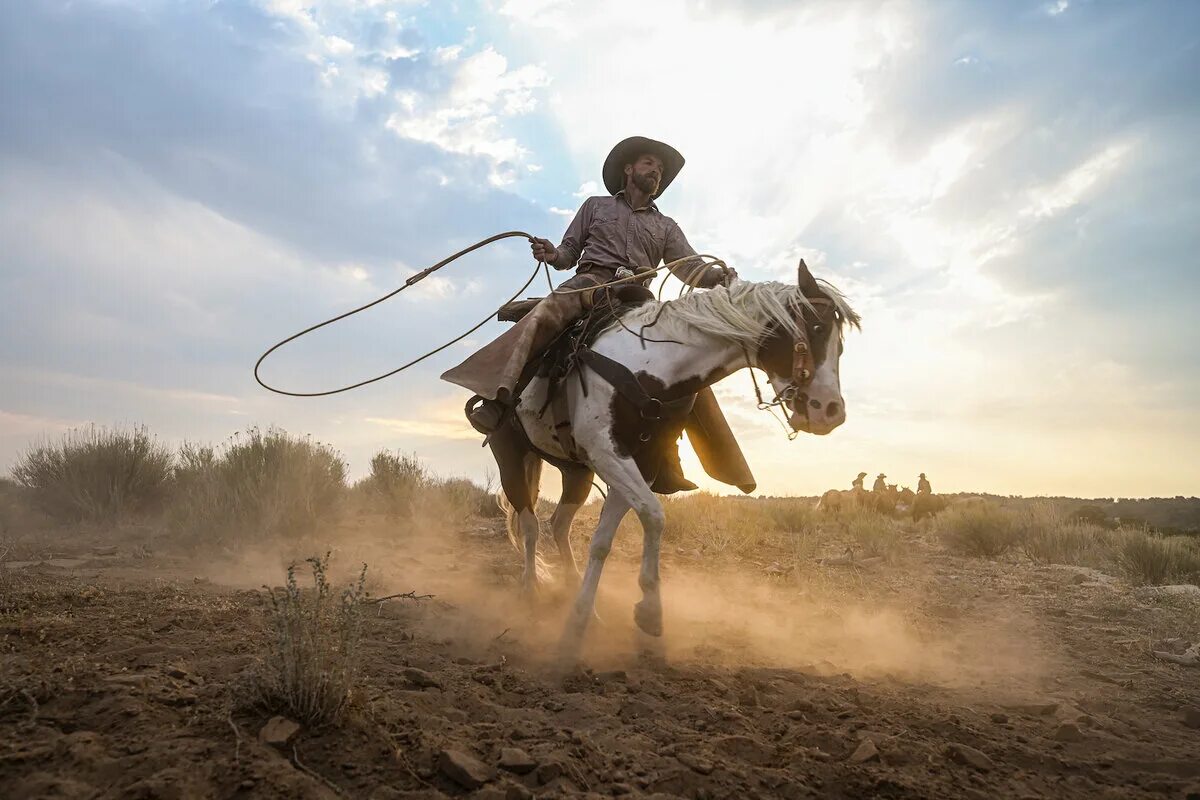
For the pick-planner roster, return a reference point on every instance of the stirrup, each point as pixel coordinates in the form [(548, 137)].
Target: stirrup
[(485, 415)]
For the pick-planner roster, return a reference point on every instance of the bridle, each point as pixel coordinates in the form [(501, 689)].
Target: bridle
[(803, 363)]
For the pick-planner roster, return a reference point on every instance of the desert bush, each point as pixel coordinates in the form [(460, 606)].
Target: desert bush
[(978, 529), (311, 668), (96, 474), (716, 524), (258, 484), (872, 532), (459, 499), (1050, 536), (393, 484), (1146, 558), (790, 513)]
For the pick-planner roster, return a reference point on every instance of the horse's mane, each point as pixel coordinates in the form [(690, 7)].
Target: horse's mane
[(744, 312)]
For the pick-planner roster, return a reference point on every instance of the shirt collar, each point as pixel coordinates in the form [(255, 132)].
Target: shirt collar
[(621, 194)]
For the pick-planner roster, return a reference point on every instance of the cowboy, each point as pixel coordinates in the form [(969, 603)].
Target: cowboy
[(857, 483), (879, 485), (611, 237), (923, 486)]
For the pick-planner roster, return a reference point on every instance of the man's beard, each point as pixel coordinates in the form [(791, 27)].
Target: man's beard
[(646, 183)]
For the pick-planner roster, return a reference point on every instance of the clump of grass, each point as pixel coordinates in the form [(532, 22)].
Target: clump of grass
[(260, 484), (978, 529), (96, 474), (1148, 559), (311, 668)]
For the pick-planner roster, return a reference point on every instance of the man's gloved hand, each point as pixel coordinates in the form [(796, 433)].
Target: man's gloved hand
[(543, 250)]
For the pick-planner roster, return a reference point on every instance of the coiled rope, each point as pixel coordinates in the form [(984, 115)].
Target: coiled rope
[(641, 275)]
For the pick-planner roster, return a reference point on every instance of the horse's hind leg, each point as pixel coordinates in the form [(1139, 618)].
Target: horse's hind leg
[(577, 485), (520, 474)]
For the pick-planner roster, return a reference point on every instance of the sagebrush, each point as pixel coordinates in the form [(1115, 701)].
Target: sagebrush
[(978, 529), (96, 474), (311, 668), (259, 484)]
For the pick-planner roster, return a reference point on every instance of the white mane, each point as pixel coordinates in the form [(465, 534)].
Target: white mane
[(742, 313)]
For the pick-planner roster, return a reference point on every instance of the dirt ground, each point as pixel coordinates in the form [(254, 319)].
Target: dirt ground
[(921, 675)]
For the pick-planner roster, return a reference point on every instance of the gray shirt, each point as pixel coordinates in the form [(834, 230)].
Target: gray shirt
[(608, 233)]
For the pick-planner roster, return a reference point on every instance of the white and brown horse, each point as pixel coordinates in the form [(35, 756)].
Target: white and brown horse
[(793, 333)]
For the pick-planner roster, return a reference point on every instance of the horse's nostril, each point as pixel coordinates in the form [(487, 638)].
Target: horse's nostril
[(832, 409), (814, 403)]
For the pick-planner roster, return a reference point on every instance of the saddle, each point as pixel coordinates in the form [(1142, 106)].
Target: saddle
[(657, 417)]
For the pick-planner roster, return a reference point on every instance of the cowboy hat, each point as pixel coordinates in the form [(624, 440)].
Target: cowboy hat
[(922, 475), (628, 151), (862, 474), (882, 475)]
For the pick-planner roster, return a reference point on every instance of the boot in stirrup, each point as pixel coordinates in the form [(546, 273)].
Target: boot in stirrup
[(670, 478), (485, 415)]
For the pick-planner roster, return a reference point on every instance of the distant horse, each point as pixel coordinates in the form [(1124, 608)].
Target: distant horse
[(927, 505), (627, 396), (843, 499)]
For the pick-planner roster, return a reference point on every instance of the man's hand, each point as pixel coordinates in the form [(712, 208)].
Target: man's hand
[(543, 250), (721, 276)]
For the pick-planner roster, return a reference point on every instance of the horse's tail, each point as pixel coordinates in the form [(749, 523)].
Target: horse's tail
[(512, 528)]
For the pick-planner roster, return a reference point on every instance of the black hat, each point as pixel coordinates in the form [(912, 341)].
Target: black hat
[(628, 151)]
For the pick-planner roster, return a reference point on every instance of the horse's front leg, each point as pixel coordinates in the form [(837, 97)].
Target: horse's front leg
[(614, 510), (624, 478)]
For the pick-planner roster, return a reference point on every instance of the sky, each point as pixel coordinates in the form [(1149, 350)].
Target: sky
[(1009, 193)]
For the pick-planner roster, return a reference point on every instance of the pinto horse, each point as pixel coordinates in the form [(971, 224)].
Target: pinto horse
[(792, 333)]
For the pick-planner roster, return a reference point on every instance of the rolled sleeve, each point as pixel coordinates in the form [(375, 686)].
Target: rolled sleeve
[(572, 242), (692, 272)]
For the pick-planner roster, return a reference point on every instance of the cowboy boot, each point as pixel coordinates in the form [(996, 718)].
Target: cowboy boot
[(485, 415), (670, 478)]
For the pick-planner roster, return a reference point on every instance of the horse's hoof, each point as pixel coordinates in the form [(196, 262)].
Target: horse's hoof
[(648, 619)]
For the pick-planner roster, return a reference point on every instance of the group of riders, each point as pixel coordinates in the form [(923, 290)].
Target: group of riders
[(881, 484), (885, 497)]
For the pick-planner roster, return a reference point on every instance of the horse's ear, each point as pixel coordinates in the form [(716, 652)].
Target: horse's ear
[(805, 280)]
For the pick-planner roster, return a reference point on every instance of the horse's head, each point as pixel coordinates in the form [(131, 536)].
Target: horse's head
[(803, 368)]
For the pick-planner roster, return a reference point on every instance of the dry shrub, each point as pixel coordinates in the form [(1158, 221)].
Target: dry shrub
[(790, 513), (312, 666), (259, 484), (1146, 558), (872, 532), (96, 474), (400, 487), (393, 484), (978, 529), (457, 499), (716, 524), (1050, 536)]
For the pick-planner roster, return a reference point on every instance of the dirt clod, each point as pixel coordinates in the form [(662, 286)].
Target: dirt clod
[(866, 751), (1191, 716), (514, 759), (278, 731), (465, 770), (969, 756)]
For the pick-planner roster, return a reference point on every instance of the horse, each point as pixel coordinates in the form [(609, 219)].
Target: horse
[(928, 505), (836, 500), (663, 353)]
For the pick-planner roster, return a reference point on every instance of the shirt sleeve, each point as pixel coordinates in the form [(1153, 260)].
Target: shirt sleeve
[(692, 272), (573, 240)]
